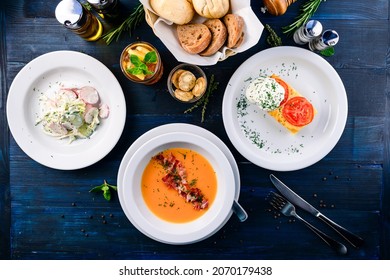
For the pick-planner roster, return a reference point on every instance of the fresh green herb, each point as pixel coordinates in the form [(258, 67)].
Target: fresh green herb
[(193, 182), (105, 188), (129, 24), (213, 85), (151, 57), (184, 155), (328, 52), (273, 39), (87, 6), (139, 67), (307, 10)]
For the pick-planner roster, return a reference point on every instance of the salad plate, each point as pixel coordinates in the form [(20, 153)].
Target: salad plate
[(263, 141), (158, 132), (43, 76)]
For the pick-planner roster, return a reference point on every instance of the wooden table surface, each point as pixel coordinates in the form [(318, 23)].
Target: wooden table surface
[(50, 214)]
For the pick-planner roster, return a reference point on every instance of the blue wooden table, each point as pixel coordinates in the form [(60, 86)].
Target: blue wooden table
[(50, 214)]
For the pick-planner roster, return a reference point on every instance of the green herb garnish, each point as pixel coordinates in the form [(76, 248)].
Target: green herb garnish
[(193, 182), (213, 85), (328, 52), (129, 24), (273, 39), (139, 67), (105, 188), (307, 10)]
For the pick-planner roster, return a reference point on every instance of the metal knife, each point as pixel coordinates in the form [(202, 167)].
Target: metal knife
[(355, 240)]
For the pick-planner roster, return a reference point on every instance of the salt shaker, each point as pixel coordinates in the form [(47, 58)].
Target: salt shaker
[(79, 20), (307, 32), (328, 39), (108, 9)]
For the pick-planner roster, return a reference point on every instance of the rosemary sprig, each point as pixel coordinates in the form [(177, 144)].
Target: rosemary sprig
[(307, 10), (129, 24), (273, 39), (204, 101)]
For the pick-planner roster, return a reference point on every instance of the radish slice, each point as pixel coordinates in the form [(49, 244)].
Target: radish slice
[(89, 95), (90, 115), (104, 111), (68, 93), (57, 129)]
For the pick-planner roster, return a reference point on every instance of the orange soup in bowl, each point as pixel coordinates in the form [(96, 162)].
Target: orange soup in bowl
[(179, 185)]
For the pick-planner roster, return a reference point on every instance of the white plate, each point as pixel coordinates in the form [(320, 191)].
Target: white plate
[(262, 140), (176, 127), (177, 233), (41, 75)]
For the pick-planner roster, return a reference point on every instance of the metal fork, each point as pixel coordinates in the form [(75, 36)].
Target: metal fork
[(286, 208)]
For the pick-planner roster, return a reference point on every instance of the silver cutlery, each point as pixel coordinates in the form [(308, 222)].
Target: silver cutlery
[(239, 211), (355, 240), (281, 204)]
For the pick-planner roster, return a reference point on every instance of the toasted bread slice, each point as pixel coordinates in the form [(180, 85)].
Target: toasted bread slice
[(239, 42), (235, 27), (277, 114), (218, 36), (194, 37)]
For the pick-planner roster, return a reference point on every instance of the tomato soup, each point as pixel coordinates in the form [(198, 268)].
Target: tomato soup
[(168, 203)]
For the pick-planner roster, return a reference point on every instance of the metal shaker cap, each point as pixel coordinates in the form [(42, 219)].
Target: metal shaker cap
[(313, 28), (68, 12), (330, 37)]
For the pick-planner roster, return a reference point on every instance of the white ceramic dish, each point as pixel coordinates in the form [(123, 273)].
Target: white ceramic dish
[(263, 141), (167, 232), (176, 127), (43, 74)]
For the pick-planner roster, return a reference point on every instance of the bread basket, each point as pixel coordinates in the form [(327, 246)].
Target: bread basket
[(166, 31)]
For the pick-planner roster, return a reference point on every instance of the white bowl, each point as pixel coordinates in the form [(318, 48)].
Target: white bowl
[(164, 231)]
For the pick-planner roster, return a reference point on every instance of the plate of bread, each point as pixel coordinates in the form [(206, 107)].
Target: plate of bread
[(203, 32), (285, 108)]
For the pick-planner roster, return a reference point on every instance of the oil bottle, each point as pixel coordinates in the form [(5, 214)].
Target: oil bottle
[(79, 20), (107, 9)]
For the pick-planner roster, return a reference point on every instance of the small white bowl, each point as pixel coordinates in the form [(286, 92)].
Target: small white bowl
[(163, 231)]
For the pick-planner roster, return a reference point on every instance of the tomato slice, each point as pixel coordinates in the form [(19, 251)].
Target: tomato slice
[(285, 86), (298, 111)]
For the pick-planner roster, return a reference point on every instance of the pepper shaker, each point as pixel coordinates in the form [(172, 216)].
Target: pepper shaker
[(79, 20), (307, 32), (328, 39), (107, 9)]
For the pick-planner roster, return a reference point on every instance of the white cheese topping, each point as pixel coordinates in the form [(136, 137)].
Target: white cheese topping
[(265, 92)]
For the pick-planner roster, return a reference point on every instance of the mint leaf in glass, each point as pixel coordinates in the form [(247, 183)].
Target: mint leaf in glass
[(150, 57)]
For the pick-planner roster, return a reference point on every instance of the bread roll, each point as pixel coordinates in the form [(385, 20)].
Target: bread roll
[(178, 11), (211, 8)]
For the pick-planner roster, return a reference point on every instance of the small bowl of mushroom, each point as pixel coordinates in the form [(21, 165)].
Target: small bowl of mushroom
[(187, 83)]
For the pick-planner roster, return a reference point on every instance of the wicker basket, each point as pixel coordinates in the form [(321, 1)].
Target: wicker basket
[(151, 18)]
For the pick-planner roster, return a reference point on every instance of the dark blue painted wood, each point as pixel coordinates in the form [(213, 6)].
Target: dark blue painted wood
[(47, 214)]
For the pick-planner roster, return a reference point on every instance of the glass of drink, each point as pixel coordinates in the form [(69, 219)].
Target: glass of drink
[(141, 63)]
